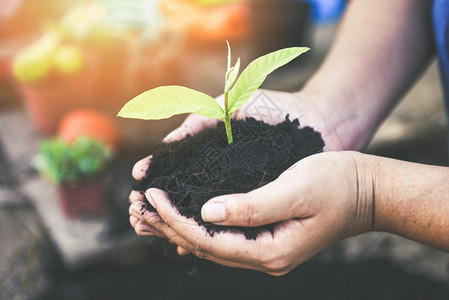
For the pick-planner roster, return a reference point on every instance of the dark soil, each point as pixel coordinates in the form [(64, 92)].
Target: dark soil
[(204, 166)]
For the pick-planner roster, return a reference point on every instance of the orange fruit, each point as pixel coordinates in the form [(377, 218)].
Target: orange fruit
[(89, 123)]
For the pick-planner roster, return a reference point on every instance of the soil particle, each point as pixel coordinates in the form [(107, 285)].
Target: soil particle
[(204, 166)]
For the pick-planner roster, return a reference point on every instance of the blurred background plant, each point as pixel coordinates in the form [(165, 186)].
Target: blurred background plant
[(46, 56), (85, 143), (99, 54), (96, 55), (75, 161), (71, 164)]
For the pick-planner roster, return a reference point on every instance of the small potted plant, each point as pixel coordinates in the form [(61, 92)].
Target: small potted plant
[(76, 169), (75, 161), (222, 160)]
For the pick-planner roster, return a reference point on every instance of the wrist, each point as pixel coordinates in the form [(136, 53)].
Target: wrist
[(367, 185), (345, 126)]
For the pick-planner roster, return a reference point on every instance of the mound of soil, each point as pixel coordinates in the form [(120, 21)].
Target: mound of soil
[(204, 166)]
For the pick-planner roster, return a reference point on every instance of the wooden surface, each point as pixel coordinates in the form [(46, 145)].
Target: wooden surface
[(81, 241)]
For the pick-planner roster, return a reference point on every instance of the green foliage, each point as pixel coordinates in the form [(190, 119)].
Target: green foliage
[(255, 73), (64, 164), (164, 102), (231, 72)]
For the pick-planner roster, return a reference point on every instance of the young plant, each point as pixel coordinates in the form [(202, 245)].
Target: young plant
[(166, 101), (65, 164)]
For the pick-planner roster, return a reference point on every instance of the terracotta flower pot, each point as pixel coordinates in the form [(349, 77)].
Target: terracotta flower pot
[(97, 85), (83, 199), (108, 68), (46, 103)]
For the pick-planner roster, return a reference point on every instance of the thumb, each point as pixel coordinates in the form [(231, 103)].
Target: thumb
[(271, 203)]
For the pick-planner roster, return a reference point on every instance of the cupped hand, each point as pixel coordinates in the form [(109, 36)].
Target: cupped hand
[(312, 207), (269, 106), (143, 220)]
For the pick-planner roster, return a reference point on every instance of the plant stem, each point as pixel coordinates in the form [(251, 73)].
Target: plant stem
[(227, 122), (227, 119)]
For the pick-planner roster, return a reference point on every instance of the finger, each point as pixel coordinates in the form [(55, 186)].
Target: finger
[(135, 213), (144, 229), (185, 247), (138, 209), (135, 196), (181, 251), (274, 202), (232, 259), (142, 232), (133, 221), (191, 125), (136, 224), (266, 253), (140, 168), (186, 232)]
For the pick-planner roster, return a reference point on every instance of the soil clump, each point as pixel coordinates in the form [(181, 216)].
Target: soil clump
[(203, 166)]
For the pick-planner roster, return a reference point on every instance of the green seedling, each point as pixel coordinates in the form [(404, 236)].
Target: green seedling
[(166, 101)]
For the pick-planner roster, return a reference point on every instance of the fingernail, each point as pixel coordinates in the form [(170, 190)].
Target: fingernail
[(214, 212), (171, 136), (149, 198), (137, 209)]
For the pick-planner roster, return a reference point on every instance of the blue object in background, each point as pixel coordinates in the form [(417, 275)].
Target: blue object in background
[(326, 11)]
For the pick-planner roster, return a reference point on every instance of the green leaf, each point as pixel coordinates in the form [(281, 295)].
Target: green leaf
[(231, 75), (166, 101), (255, 73), (229, 57)]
